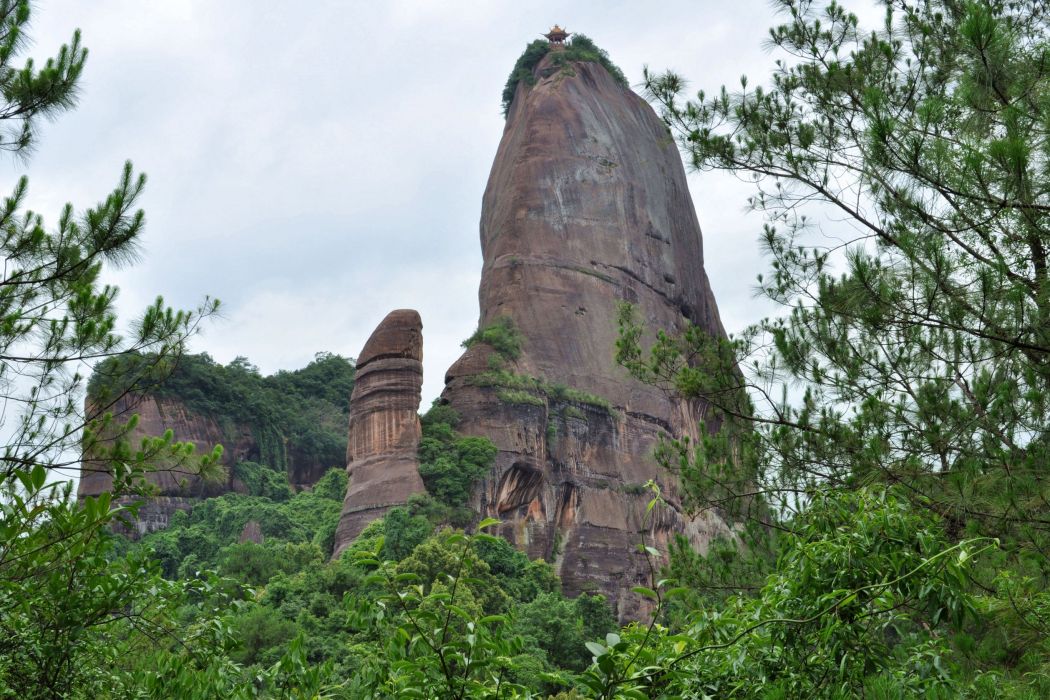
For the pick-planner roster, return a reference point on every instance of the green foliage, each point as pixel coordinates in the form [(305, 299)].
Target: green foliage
[(263, 481), (300, 595), (914, 347), (435, 641), (331, 486), (521, 579), (449, 464), (439, 414), (262, 633), (506, 341), (845, 609), (164, 674), (487, 596), (519, 396), (255, 564), (578, 48), (562, 627), (845, 612), (523, 70), (214, 525), (438, 557), (403, 531), (84, 617), (515, 388), (31, 92), (501, 336), (68, 606)]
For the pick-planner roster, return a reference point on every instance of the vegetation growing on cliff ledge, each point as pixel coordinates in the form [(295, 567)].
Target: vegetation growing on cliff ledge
[(518, 388), (578, 48), (451, 464), (501, 335), (506, 341)]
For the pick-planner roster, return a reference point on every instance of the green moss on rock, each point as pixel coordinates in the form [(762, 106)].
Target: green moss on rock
[(578, 48)]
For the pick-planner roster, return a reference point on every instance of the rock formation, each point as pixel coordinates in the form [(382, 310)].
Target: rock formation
[(177, 488), (252, 532), (381, 455), (586, 206)]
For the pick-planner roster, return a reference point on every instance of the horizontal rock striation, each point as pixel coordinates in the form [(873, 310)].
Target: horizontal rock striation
[(586, 207), (381, 456)]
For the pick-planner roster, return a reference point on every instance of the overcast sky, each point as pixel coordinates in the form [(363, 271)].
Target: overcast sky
[(316, 165)]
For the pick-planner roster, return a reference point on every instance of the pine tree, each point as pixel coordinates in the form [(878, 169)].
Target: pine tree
[(69, 608), (903, 174)]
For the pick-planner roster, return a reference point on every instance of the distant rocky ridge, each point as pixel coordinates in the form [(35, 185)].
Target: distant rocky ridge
[(176, 487), (222, 420)]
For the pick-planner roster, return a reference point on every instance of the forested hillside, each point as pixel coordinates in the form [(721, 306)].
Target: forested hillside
[(291, 421), (273, 550)]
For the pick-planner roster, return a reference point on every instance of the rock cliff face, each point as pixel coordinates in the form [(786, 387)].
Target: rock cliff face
[(176, 488), (586, 207), (381, 454)]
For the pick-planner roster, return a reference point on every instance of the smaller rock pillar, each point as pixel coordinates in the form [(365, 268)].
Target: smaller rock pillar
[(381, 456)]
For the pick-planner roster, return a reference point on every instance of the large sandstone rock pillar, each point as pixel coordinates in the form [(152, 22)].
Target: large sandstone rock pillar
[(381, 457), (586, 206)]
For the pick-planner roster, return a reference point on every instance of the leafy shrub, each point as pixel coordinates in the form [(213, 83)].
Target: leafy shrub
[(331, 486), (263, 634), (523, 68), (402, 531), (439, 414), (519, 396), (562, 627), (440, 556), (450, 465), (255, 564), (260, 480), (451, 469), (522, 579), (501, 336), (515, 388)]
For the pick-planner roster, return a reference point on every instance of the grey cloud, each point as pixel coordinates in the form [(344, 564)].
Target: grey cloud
[(316, 165)]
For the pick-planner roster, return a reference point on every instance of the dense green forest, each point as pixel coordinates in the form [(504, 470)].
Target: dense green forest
[(895, 505), (285, 588)]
